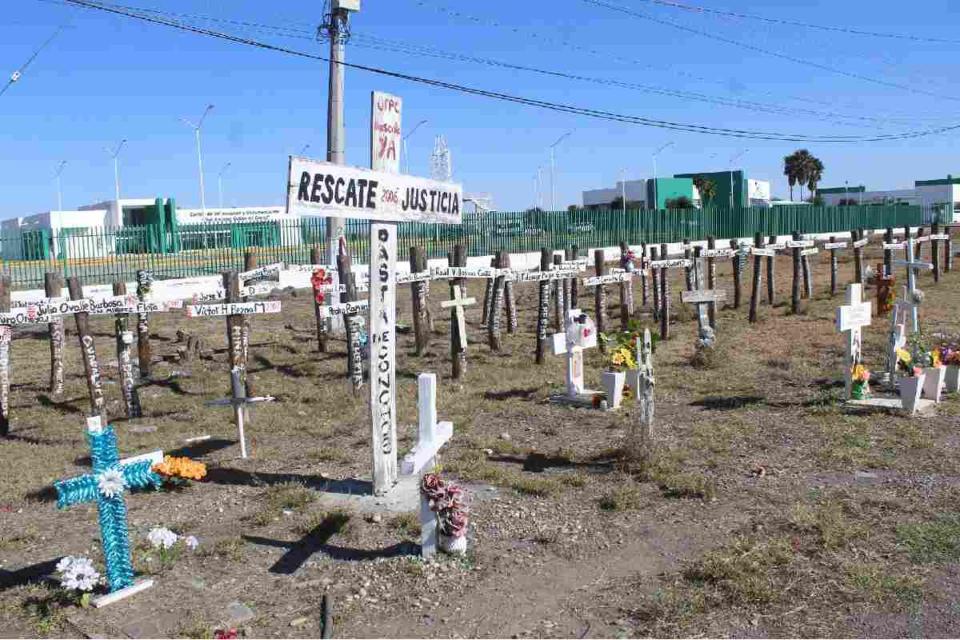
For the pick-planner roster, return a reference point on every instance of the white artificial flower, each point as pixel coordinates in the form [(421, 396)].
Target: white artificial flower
[(111, 483), (162, 538), (191, 542), (78, 574)]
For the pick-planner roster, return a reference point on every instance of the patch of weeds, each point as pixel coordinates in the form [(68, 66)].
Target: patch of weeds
[(326, 522), (669, 609), (472, 465), (407, 524), (677, 484), (745, 572), (711, 358), (16, 539), (195, 629), (625, 497), (849, 442), (532, 486), (928, 542), (827, 521), (577, 480), (504, 447), (883, 588), (289, 495), (826, 399), (44, 607), (228, 548), (329, 454), (412, 566)]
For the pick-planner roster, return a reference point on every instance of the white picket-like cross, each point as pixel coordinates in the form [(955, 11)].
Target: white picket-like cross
[(702, 297), (851, 318), (458, 303), (564, 344), (432, 435), (913, 266)]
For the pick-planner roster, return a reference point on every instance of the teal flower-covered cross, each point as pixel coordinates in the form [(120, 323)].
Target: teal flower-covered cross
[(110, 478)]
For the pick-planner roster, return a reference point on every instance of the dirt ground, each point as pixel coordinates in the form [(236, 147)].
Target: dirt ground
[(770, 509)]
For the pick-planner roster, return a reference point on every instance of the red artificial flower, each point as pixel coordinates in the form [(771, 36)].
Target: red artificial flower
[(226, 634)]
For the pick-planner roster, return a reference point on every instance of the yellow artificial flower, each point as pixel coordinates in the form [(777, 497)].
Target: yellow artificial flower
[(904, 356), (860, 373), (935, 357)]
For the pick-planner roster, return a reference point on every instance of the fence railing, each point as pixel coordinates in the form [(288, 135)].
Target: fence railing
[(103, 255)]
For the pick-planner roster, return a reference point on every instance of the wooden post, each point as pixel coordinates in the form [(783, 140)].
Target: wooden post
[(712, 281), (494, 337), (807, 288), (144, 355), (887, 253), (655, 278), (795, 290), (643, 275), (935, 252), (757, 274), (53, 287), (323, 324), (559, 297), (664, 297), (6, 337), (833, 267), (948, 251), (128, 381), (487, 290), (418, 264), (458, 356), (772, 276), (920, 233), (737, 261), (509, 298), (575, 282), (600, 295), (249, 263), (352, 322), (543, 309), (857, 257), (568, 285), (626, 291), (91, 365), (688, 271), (236, 356), (906, 238)]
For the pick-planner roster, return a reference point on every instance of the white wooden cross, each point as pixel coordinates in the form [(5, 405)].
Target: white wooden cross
[(457, 304), (851, 318), (702, 297), (431, 436), (898, 335), (579, 334), (912, 266), (239, 402)]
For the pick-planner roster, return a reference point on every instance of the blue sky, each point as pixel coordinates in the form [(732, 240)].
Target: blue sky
[(106, 78)]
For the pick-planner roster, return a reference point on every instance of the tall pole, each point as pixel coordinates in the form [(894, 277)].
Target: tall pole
[(337, 28), (196, 130), (220, 183), (623, 191), (655, 154), (733, 159), (60, 167), (115, 154), (406, 155), (553, 163)]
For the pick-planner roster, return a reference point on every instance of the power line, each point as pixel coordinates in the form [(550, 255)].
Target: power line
[(783, 56), (692, 8), (19, 72), (553, 106)]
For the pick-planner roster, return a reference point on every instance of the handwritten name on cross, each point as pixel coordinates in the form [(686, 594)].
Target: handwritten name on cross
[(432, 435), (851, 318), (111, 477), (457, 303), (913, 266), (239, 401), (579, 334)]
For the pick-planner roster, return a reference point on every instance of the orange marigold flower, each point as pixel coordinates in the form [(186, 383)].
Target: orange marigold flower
[(181, 468)]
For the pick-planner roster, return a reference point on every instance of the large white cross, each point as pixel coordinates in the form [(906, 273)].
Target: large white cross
[(851, 318), (431, 436), (457, 304), (912, 266), (572, 342)]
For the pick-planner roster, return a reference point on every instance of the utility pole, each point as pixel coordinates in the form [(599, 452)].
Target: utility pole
[(336, 27), (553, 190), (732, 160), (196, 130), (655, 154), (60, 167), (406, 155), (115, 154)]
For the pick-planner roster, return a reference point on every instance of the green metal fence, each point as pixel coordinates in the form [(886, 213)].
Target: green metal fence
[(104, 255)]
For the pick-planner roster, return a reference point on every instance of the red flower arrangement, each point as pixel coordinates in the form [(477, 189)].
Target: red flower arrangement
[(318, 280), (447, 501)]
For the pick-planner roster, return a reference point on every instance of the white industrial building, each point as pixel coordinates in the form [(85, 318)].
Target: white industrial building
[(940, 196)]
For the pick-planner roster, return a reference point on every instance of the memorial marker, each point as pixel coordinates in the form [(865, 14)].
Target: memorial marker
[(543, 308), (6, 338), (53, 286), (701, 298), (600, 294), (851, 318), (124, 337), (144, 356), (913, 266), (239, 401), (757, 275), (458, 354), (91, 365), (579, 334)]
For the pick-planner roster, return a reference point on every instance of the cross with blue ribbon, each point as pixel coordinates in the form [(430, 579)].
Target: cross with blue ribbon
[(106, 485)]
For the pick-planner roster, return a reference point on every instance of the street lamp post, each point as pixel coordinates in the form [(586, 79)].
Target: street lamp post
[(733, 159), (60, 167), (220, 183), (115, 154), (553, 147), (196, 129), (304, 149), (655, 154), (406, 155)]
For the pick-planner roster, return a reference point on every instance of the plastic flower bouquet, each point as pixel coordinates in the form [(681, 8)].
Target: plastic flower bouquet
[(861, 382)]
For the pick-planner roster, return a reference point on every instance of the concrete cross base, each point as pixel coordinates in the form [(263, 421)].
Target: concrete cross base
[(924, 407), (116, 596)]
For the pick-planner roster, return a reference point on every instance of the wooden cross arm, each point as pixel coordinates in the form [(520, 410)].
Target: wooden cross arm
[(699, 297), (915, 265), (424, 452), (228, 402), (460, 302)]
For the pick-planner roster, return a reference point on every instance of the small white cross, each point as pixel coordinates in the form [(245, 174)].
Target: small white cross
[(431, 437), (851, 318), (457, 304), (579, 334), (239, 402)]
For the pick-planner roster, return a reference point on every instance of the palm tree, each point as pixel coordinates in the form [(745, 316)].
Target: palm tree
[(814, 174), (707, 189), (790, 166)]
